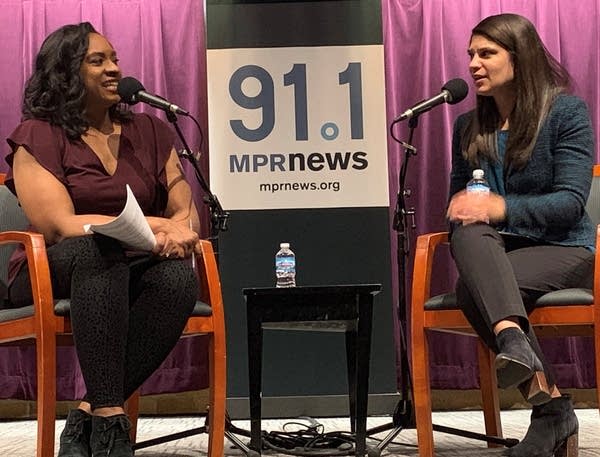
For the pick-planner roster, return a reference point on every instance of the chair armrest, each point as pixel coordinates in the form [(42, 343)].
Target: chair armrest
[(209, 279), (424, 253), (39, 273)]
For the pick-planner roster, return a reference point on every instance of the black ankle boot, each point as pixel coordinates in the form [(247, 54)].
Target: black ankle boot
[(517, 364), (75, 438), (552, 432), (110, 436)]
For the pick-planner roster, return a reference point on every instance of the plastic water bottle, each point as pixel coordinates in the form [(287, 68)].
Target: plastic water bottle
[(478, 183), (285, 266)]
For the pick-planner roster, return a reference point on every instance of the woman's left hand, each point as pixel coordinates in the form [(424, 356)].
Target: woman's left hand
[(176, 231), (175, 241), (469, 207)]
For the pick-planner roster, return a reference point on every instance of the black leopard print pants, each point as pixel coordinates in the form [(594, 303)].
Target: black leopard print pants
[(127, 312)]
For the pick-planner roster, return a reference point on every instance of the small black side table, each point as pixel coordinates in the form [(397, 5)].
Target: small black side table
[(336, 308)]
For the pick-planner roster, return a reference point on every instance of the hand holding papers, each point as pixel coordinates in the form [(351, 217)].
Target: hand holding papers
[(130, 227)]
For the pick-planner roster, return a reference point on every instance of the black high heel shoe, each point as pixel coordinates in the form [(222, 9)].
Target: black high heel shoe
[(517, 365), (552, 432)]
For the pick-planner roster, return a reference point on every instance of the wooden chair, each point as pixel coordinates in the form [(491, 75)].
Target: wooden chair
[(569, 312), (46, 323)]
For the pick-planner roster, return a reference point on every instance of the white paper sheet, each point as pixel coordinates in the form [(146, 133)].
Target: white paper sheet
[(130, 227)]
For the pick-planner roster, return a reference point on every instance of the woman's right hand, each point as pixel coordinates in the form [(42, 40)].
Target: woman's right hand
[(468, 208)]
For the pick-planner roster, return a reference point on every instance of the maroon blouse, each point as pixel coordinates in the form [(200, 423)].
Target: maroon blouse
[(144, 147)]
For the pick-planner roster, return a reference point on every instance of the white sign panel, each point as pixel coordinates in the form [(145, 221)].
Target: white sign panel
[(298, 127)]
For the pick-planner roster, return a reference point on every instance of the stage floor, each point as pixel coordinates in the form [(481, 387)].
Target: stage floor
[(17, 438)]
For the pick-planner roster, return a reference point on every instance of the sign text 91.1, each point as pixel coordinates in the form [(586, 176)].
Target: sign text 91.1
[(296, 77)]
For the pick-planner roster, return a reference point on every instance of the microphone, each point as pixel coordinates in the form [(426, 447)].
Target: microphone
[(453, 91), (132, 91)]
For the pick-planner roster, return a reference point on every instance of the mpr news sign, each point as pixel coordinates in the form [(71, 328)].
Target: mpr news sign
[(298, 127)]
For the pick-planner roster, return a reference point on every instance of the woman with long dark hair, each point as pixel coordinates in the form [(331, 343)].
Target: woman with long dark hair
[(71, 159), (531, 234)]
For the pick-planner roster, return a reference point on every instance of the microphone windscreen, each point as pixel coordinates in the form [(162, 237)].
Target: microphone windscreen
[(127, 88), (458, 90)]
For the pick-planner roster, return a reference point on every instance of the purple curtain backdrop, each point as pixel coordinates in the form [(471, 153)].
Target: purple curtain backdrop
[(159, 42), (425, 46), (162, 43)]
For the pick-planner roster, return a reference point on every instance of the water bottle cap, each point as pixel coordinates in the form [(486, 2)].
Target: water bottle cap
[(284, 245), (478, 173)]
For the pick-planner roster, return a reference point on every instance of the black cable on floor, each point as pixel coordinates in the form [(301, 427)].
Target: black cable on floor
[(309, 441)]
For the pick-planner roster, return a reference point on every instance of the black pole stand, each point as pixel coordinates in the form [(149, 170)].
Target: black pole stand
[(403, 416), (218, 217), (218, 223)]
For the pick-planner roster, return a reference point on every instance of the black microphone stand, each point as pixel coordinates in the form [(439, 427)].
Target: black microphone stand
[(218, 222), (218, 217), (403, 416)]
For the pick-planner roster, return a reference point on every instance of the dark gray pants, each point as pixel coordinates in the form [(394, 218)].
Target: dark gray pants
[(501, 276)]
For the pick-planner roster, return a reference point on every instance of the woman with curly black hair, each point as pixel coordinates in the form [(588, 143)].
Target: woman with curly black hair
[(56, 91), (71, 159)]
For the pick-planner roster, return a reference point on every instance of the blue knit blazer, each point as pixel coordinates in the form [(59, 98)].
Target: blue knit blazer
[(546, 199)]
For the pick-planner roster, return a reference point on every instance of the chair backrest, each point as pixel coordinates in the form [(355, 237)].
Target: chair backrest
[(12, 217), (593, 204)]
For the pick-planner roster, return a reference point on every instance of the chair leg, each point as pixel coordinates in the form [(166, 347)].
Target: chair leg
[(489, 391), (597, 354), (46, 394), (422, 392), (217, 397), (132, 409)]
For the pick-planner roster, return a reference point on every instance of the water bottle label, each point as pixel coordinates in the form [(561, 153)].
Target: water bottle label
[(285, 263), (479, 188)]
